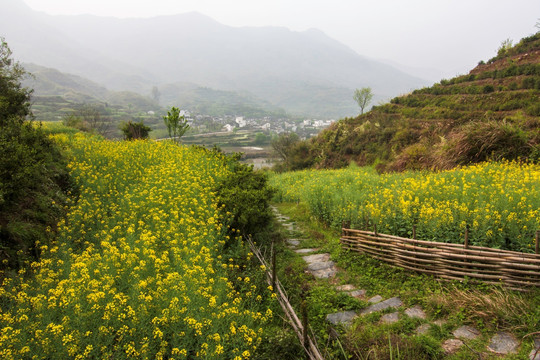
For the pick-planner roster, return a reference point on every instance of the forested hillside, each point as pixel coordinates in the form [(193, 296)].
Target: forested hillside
[(491, 113)]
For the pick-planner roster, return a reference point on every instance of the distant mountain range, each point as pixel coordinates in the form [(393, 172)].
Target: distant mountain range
[(304, 73)]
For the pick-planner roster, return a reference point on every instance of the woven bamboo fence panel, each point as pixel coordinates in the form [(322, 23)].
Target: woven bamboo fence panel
[(516, 270)]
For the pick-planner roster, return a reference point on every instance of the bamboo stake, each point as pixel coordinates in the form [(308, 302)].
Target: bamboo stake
[(537, 247), (467, 236)]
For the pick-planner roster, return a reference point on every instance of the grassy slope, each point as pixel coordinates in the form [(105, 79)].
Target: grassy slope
[(492, 112)]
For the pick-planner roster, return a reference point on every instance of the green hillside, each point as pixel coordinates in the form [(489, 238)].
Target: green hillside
[(491, 113), (56, 94)]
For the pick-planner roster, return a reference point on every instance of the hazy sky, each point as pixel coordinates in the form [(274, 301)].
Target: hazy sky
[(451, 36)]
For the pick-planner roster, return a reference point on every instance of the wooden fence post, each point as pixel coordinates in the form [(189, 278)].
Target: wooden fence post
[(274, 274), (467, 236), (303, 309), (375, 229), (414, 232), (537, 246)]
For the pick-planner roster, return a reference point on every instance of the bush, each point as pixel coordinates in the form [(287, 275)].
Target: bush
[(133, 131), (245, 196), (488, 89), (33, 173)]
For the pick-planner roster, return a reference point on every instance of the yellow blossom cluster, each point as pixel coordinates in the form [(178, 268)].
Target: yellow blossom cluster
[(135, 271), (499, 202)]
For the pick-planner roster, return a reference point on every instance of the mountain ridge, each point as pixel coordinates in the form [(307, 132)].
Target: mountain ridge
[(137, 54)]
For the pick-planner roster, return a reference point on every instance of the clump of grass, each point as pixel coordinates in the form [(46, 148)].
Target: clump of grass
[(499, 309)]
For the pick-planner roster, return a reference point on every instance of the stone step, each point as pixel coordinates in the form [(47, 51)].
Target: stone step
[(394, 302), (466, 332), (390, 318), (503, 343), (358, 293), (535, 352), (346, 287), (293, 242), (375, 299), (316, 258), (416, 312), (341, 318), (325, 273), (305, 251), (320, 265)]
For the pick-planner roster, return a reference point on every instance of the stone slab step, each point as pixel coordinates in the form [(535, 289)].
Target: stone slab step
[(316, 258), (390, 318), (375, 299), (415, 312), (321, 265), (503, 343), (293, 242), (325, 273), (344, 317), (346, 287), (394, 302), (535, 352), (305, 251), (466, 332)]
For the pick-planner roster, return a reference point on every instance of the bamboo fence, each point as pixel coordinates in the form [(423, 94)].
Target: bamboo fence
[(515, 270)]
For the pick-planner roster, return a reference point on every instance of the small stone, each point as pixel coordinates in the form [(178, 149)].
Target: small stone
[(423, 329), (503, 343), (316, 258), (358, 293), (305, 251), (450, 346), (466, 332), (375, 299), (344, 317), (390, 318), (347, 287), (535, 352), (415, 312), (394, 302)]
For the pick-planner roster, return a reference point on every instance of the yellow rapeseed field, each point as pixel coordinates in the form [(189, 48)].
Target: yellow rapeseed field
[(499, 202), (136, 270)]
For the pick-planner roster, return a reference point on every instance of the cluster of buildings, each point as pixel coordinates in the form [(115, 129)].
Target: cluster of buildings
[(304, 128)]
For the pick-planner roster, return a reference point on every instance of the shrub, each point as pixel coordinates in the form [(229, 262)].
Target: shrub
[(33, 174), (488, 89), (133, 131), (245, 195)]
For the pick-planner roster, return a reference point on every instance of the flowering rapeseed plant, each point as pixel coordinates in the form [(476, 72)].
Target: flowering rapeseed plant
[(135, 271), (500, 202)]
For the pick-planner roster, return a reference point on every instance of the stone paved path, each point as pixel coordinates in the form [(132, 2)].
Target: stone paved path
[(321, 267)]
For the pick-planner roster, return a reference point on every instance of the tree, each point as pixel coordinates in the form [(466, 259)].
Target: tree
[(135, 130), (283, 144), (363, 97), (176, 124)]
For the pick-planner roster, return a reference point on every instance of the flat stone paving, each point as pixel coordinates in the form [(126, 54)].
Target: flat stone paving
[(415, 312), (466, 332), (390, 318), (344, 317), (535, 352), (394, 302), (503, 343)]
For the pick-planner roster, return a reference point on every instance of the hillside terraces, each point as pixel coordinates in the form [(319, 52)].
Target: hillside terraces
[(491, 113)]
